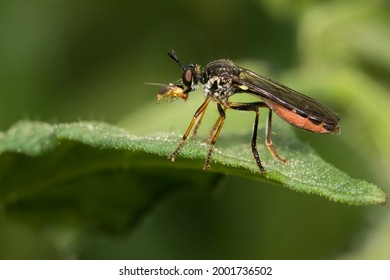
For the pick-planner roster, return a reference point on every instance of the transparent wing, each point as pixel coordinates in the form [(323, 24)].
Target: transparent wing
[(268, 89)]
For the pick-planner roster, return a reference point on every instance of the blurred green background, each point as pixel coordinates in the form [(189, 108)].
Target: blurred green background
[(63, 61)]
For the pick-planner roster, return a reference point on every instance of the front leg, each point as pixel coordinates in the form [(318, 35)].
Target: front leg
[(198, 115)]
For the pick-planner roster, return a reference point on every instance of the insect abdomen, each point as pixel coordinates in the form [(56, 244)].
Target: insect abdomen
[(301, 121)]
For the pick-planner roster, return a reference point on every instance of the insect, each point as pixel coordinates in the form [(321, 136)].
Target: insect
[(222, 79)]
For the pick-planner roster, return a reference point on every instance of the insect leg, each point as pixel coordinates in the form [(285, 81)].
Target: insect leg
[(212, 131), (217, 126), (198, 122), (268, 140), (198, 114), (251, 107)]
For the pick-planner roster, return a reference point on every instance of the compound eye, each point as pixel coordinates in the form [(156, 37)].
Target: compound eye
[(187, 78)]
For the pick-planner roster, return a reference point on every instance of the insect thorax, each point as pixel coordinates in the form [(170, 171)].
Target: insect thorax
[(216, 79), (218, 88)]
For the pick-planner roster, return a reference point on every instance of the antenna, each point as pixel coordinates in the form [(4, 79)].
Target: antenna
[(173, 55)]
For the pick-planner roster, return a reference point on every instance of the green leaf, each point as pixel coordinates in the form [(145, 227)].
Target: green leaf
[(98, 170)]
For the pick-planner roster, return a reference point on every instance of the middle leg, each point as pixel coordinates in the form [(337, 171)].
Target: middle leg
[(213, 138)]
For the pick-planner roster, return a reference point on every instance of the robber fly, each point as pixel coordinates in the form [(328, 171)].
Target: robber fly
[(222, 78)]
